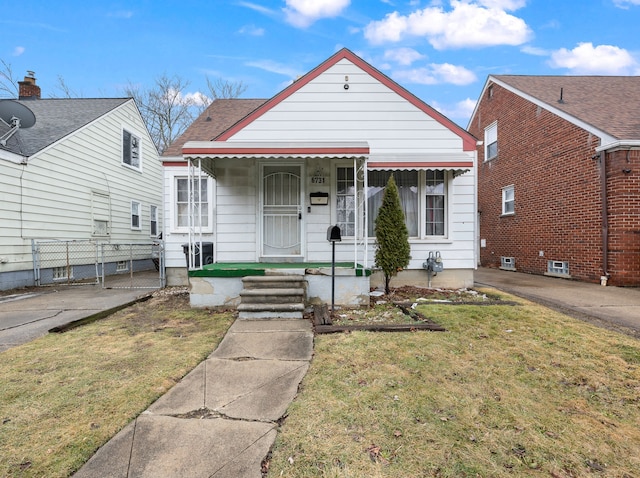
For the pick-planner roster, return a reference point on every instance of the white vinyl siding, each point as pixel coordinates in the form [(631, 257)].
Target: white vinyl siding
[(54, 198)]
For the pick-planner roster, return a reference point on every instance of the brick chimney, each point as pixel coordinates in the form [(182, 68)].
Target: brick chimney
[(28, 88)]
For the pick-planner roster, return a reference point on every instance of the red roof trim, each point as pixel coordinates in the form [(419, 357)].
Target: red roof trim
[(415, 164), (280, 150), (174, 163), (468, 141)]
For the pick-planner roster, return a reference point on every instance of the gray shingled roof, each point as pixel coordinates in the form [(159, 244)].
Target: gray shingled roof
[(608, 103), (219, 116), (55, 119)]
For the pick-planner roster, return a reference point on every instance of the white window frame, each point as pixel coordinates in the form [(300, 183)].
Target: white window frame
[(508, 198), (136, 211), (560, 268), (422, 180), (153, 221), (491, 139), (131, 150), (422, 205), (336, 195), (173, 205)]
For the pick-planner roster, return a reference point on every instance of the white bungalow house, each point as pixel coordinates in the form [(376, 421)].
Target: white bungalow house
[(315, 156), (75, 171)]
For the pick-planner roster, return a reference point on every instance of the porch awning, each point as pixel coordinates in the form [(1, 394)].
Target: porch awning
[(262, 150), (456, 162)]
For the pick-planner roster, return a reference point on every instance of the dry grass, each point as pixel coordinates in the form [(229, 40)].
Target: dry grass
[(65, 395), (506, 391)]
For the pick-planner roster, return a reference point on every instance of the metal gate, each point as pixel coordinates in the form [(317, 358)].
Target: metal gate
[(110, 264)]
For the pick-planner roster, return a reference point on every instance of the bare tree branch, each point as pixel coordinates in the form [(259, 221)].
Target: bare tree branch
[(225, 89), (8, 83)]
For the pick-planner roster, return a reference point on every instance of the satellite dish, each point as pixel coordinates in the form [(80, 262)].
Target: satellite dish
[(13, 113)]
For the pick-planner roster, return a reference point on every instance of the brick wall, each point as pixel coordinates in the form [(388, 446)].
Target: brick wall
[(549, 161), (623, 185)]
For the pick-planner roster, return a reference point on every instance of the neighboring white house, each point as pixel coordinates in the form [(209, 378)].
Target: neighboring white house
[(87, 170), (319, 154)]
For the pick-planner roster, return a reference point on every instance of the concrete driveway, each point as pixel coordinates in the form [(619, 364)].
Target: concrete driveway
[(615, 308)]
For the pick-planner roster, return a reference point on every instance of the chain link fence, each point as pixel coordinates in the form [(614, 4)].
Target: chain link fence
[(110, 264)]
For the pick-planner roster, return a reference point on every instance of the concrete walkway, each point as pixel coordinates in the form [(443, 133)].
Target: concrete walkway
[(221, 420)]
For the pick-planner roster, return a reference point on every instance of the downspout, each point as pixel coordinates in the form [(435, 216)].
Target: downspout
[(605, 219)]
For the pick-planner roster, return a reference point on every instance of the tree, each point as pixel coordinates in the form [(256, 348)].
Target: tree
[(393, 250), (165, 108), (168, 110), (8, 84)]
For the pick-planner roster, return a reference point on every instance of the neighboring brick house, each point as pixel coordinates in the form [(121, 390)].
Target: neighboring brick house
[(559, 176)]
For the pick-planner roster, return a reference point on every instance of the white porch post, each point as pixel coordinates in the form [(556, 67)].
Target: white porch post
[(195, 209)]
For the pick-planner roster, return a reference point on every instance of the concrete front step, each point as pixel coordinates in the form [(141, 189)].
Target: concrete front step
[(267, 311), (273, 296), (292, 281), (256, 296)]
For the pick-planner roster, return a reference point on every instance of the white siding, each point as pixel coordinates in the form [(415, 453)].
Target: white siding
[(55, 192), (323, 110)]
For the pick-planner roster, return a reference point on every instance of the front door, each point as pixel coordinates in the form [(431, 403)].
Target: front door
[(281, 211)]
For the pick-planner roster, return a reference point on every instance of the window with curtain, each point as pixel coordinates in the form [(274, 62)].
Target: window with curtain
[(182, 202), (407, 182), (435, 203), (345, 201)]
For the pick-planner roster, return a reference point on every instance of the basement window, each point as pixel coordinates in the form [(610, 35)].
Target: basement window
[(508, 263), (558, 268), (61, 273)]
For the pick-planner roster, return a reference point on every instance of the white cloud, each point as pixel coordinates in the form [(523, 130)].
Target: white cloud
[(273, 67), (532, 50), (585, 59), (403, 56), (460, 110), (625, 3), (467, 24), (257, 8), (251, 30), (19, 50), (436, 73), (302, 13)]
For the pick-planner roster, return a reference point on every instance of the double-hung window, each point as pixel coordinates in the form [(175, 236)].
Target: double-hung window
[(153, 214), (435, 203), (491, 141), (135, 215), (508, 200), (345, 201), (130, 149), (200, 194)]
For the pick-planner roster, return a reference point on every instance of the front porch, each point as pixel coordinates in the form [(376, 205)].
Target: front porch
[(220, 284)]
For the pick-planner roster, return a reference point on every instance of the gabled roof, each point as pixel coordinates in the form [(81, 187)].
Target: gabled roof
[(220, 115), (55, 119), (610, 104), (469, 142)]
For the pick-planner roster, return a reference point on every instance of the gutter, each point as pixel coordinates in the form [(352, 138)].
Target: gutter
[(605, 219)]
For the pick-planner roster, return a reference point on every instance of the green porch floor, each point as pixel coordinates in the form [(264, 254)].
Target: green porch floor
[(242, 269)]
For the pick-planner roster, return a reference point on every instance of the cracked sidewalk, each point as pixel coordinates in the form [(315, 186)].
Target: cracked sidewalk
[(222, 418)]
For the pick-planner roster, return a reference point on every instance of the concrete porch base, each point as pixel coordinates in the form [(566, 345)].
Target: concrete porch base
[(351, 287)]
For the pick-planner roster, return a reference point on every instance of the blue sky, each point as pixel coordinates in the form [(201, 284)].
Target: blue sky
[(440, 50)]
